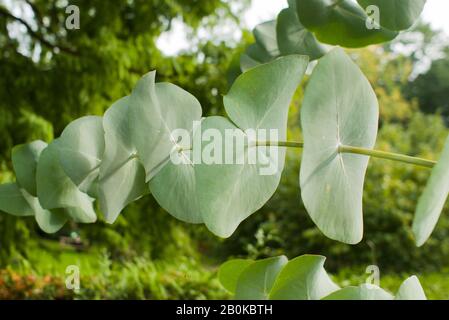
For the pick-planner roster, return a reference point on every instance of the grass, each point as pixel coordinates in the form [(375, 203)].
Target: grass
[(142, 278)]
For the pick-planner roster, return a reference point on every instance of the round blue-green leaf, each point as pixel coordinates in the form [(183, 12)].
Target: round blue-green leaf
[(122, 176), (293, 38), (411, 289), (265, 34), (259, 99), (49, 221), (230, 271), (431, 202), (13, 202), (256, 280), (339, 108), (303, 278), (156, 110), (81, 148), (340, 23), (175, 187), (24, 161), (56, 190), (397, 14), (362, 292)]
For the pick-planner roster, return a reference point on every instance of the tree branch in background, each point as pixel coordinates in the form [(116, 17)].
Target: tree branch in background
[(36, 35)]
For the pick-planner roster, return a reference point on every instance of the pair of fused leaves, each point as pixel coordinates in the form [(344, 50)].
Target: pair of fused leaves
[(347, 24), (303, 278), (281, 37), (43, 190), (221, 195), (336, 22)]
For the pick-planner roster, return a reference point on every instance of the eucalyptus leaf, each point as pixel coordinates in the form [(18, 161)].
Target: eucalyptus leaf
[(156, 110), (411, 289), (397, 14), (264, 50), (362, 292), (175, 187), (13, 202), (49, 221), (258, 99), (431, 202), (230, 271), (256, 280), (342, 23), (122, 176), (265, 34), (294, 38), (254, 55), (24, 160), (56, 190), (339, 108), (81, 148), (303, 278)]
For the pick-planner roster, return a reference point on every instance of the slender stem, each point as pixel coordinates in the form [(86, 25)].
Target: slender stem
[(362, 151), (387, 155), (288, 144)]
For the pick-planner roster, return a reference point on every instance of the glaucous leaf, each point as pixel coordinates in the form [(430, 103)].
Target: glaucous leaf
[(156, 110), (340, 23), (265, 34), (362, 292), (56, 190), (81, 148), (13, 202), (230, 272), (432, 200), (240, 183), (293, 38), (264, 50), (122, 176), (256, 280), (411, 289), (303, 278), (175, 187), (339, 108), (49, 221), (260, 98), (24, 161), (397, 14), (254, 55)]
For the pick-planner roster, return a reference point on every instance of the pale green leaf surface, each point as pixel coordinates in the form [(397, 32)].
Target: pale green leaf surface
[(265, 34), (397, 14), (340, 23), (155, 111), (431, 202), (411, 289), (49, 221), (81, 148), (24, 160), (293, 38), (13, 202), (303, 278), (339, 107), (362, 292), (256, 281), (230, 271), (56, 190), (122, 176)]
